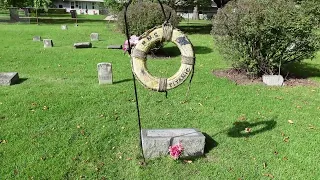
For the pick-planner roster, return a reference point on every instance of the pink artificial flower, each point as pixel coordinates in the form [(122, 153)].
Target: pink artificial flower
[(176, 150), (133, 41)]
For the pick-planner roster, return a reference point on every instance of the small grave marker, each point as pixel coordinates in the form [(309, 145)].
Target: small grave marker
[(64, 27), (104, 73), (82, 45), (156, 142), (37, 38), (94, 36), (47, 43), (273, 80), (8, 78), (114, 47)]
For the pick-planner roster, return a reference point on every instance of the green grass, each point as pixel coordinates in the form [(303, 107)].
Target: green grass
[(90, 131)]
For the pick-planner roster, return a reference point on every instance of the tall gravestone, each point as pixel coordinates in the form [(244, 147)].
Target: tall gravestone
[(105, 73), (8, 78), (94, 36), (47, 43)]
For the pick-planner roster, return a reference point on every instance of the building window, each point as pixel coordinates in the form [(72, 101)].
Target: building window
[(93, 5), (72, 5), (77, 4), (60, 6)]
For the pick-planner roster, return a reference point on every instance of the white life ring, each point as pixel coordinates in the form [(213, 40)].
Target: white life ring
[(146, 42)]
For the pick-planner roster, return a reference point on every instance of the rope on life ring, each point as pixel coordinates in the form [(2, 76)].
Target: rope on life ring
[(139, 57)]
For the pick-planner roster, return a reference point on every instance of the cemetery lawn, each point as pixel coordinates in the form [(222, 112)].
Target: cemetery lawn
[(59, 123)]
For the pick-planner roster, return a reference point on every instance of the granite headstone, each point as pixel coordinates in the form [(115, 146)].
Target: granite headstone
[(104, 73), (156, 142), (8, 78)]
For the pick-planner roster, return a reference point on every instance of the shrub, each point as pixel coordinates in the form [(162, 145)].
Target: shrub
[(259, 36), (142, 16), (312, 8)]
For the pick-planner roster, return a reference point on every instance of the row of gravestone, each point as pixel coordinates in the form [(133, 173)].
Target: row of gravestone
[(47, 43), (104, 75)]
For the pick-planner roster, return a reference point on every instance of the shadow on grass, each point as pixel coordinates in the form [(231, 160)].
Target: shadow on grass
[(21, 80), (302, 70), (210, 143), (195, 28), (121, 81), (238, 130), (173, 51)]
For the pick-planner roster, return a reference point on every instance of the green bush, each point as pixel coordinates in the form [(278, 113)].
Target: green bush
[(260, 36), (312, 8), (142, 16)]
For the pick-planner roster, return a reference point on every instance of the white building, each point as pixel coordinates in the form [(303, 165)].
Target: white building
[(81, 6)]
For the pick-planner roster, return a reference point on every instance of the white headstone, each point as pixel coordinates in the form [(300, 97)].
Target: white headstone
[(104, 73), (273, 80), (64, 27), (36, 38), (47, 43), (94, 36)]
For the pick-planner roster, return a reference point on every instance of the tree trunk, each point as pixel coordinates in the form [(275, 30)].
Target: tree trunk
[(195, 14)]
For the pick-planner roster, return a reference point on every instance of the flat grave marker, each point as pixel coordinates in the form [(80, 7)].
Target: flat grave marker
[(94, 37), (47, 43), (156, 142), (36, 38), (8, 78)]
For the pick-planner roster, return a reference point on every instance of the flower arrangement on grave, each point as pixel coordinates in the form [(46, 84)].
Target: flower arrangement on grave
[(176, 151), (133, 41)]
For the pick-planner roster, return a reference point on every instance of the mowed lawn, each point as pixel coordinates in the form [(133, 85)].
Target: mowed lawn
[(59, 123)]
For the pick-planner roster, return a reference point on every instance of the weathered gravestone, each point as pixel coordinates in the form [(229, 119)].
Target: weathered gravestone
[(36, 38), (47, 43), (114, 47), (64, 27), (156, 142), (8, 78), (82, 45), (273, 80), (94, 36), (105, 73)]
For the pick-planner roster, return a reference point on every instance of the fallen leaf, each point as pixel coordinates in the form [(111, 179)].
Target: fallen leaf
[(282, 134), (101, 115), (128, 159), (187, 161), (45, 108), (3, 141), (275, 153), (286, 139), (269, 175), (200, 104), (242, 118), (78, 126), (247, 130), (311, 126), (290, 121), (285, 158), (264, 165)]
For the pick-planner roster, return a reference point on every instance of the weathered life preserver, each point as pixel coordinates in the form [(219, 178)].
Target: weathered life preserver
[(146, 42)]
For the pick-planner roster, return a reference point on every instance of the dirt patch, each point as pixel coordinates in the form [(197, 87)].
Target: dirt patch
[(240, 78)]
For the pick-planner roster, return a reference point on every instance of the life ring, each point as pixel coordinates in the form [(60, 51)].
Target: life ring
[(146, 42)]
